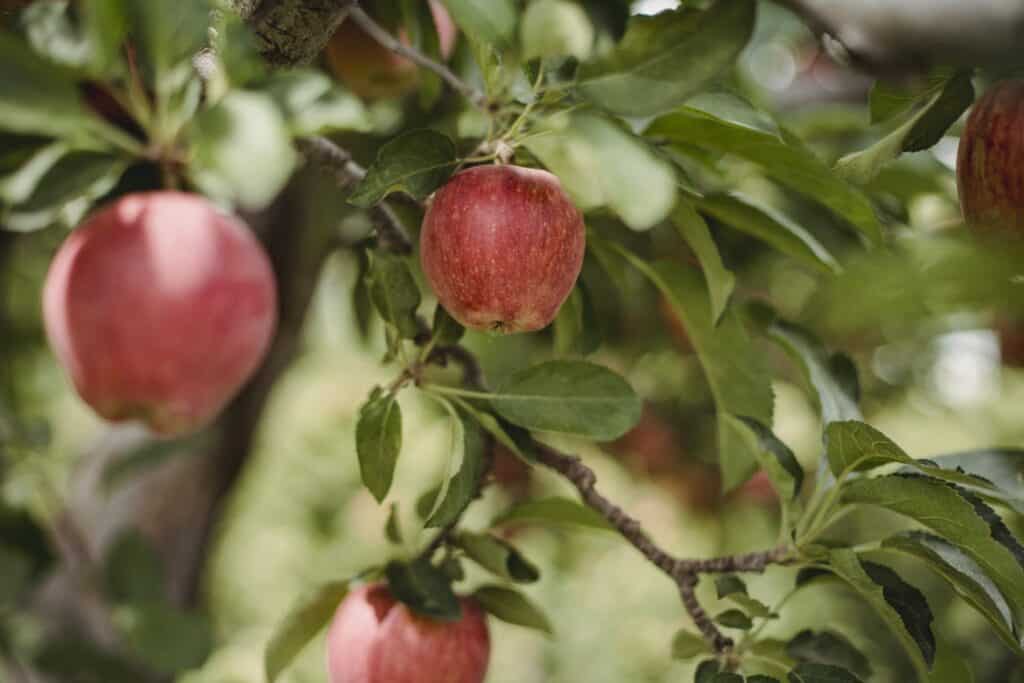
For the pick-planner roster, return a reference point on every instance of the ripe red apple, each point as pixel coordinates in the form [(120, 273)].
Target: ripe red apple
[(371, 70), (159, 307), (990, 163), (502, 247), (375, 639)]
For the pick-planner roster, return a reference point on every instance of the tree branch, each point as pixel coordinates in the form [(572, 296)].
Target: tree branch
[(389, 42), (292, 32)]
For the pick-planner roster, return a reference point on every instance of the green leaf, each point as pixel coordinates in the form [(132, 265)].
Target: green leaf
[(856, 446), (53, 35), (707, 671), (571, 397), (37, 95), (313, 104), (393, 527), (165, 638), (735, 373), (837, 393), (761, 678), (80, 661), (694, 231), (785, 161), (664, 59), (600, 163), (831, 648), (304, 620), (727, 677), (498, 557), (70, 186), (133, 571), (556, 28), (777, 459), (687, 645), (768, 225), (503, 432), (462, 487), (379, 441), (417, 163), (167, 33), (1002, 469), (424, 588), (577, 328), (734, 618), (920, 129), (513, 607), (243, 133), (554, 511), (954, 514), (491, 22), (812, 672), (750, 606), (964, 576), (395, 293), (729, 584), (901, 606), (105, 24), (446, 329)]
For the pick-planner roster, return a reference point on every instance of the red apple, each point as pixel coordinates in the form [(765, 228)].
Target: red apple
[(375, 639), (371, 70), (502, 247), (990, 163), (160, 307), (758, 489)]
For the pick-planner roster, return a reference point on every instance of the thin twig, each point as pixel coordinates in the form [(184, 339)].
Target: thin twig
[(389, 42)]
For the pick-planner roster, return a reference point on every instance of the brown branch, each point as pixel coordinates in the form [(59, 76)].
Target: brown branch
[(292, 32), (389, 42)]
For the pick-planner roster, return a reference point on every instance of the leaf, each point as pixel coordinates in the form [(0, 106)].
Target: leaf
[(736, 375), (784, 161), (446, 329), (727, 677), (811, 672), (38, 96), (498, 557), (556, 28), (600, 163), (901, 606), (167, 639), (571, 397), (687, 645), (777, 459), (393, 527), (552, 510), (954, 514), (1002, 470), (920, 130), (837, 395), (856, 447), (76, 178), (417, 163), (694, 231), (577, 328), (964, 576), (706, 671), (490, 22), (133, 570), (504, 433), (462, 487), (313, 104), (828, 647), (734, 618), (244, 132), (395, 294), (53, 35), (304, 620), (80, 661), (729, 584), (750, 606), (424, 588), (167, 33), (15, 574), (513, 607), (379, 441), (768, 225), (664, 59)]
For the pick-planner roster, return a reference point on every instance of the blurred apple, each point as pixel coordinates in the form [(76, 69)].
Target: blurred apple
[(373, 638), (159, 307), (1011, 341), (758, 489), (371, 70)]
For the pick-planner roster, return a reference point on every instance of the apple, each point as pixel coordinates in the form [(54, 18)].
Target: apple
[(509, 471), (373, 638), (159, 307), (990, 162), (371, 70), (502, 247), (758, 489)]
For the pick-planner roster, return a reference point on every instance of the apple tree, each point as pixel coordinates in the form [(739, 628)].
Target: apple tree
[(728, 286)]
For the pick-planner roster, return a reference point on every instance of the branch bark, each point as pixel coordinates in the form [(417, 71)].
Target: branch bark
[(292, 32)]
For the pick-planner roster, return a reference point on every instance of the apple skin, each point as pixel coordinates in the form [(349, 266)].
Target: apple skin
[(371, 70), (160, 307), (990, 162), (375, 639), (502, 247)]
